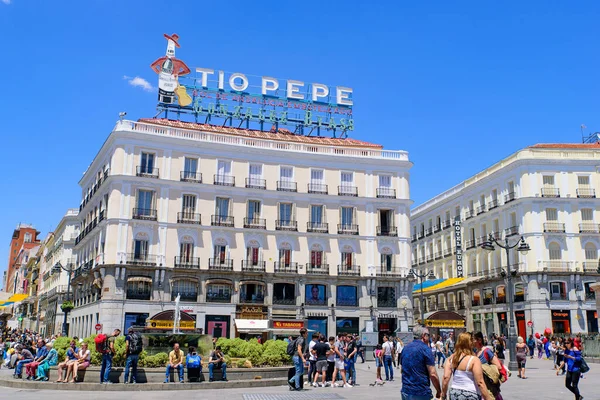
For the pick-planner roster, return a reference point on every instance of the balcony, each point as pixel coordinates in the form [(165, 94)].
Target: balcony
[(513, 230), (390, 231), (255, 183), (386, 193), (559, 296), (187, 217), (470, 213), (501, 300), (385, 271), (428, 231), (589, 227), (286, 268), (481, 240), (348, 270), (386, 302), (287, 186), (510, 197), (447, 252), (481, 209), (317, 269), (187, 262), (488, 301), (475, 303), (550, 192), (413, 238), (446, 224), (220, 264), (345, 190), (437, 228), (188, 176), (255, 223), (556, 266), (586, 193), (588, 266), (284, 302), (493, 204), (218, 298), (554, 227), (429, 257), (470, 244), (224, 180), (285, 225), (347, 229), (221, 220), (317, 227), (496, 235), (146, 172), (317, 188), (148, 214), (460, 305), (438, 255), (253, 266), (421, 260), (141, 259), (135, 295)]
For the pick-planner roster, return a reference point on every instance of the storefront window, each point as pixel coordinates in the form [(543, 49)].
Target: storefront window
[(134, 319), (317, 324), (346, 296), (561, 321), (347, 325), (284, 293), (315, 295)]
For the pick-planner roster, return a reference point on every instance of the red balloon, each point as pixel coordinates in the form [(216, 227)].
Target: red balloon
[(537, 335), (547, 331)]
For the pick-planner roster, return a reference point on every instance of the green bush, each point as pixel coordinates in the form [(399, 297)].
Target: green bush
[(156, 361), (275, 353), (61, 345)]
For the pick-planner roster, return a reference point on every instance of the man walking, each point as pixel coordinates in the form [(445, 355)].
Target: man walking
[(450, 345), (418, 368), (312, 360), (299, 360), (321, 351), (340, 353), (107, 356), (133, 348), (351, 350), (388, 357)]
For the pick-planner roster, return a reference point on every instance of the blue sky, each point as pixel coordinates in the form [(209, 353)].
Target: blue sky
[(458, 85)]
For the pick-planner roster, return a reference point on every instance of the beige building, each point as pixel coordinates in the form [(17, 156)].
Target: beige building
[(546, 194), (245, 226)]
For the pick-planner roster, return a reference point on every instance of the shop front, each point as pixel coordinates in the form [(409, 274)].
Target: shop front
[(561, 321), (217, 325), (488, 323), (445, 322), (386, 326), (476, 322), (251, 321), (164, 321), (520, 320), (592, 321), (282, 329), (346, 325), (317, 324), (502, 324)]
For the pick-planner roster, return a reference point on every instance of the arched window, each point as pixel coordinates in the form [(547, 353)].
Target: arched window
[(591, 253), (187, 290), (500, 294), (519, 292), (252, 292), (317, 256), (218, 293), (139, 288), (476, 297), (186, 251), (285, 259), (554, 251)]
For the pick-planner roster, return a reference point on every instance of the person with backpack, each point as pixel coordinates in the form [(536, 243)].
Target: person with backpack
[(297, 349), (105, 345), (193, 363), (133, 348)]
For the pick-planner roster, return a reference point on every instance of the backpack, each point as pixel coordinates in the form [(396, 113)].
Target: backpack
[(135, 343), (193, 361), (101, 343), (292, 347)]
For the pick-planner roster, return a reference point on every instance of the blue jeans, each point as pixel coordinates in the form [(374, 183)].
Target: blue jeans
[(440, 356), (211, 368), (414, 397), (106, 367), (20, 364), (351, 370), (179, 372), (132, 362), (389, 370), (299, 371)]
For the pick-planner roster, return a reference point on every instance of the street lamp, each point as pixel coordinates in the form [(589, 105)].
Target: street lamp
[(412, 276), (508, 274), (69, 270)]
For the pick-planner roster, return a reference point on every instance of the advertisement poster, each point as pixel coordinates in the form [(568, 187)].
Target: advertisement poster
[(315, 294)]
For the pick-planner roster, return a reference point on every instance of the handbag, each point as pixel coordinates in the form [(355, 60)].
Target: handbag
[(583, 366)]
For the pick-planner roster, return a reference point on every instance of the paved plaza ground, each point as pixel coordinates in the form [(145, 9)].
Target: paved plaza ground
[(542, 384)]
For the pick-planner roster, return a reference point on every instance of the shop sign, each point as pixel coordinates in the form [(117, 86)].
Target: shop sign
[(458, 244), (560, 314), (444, 323), (220, 98), (288, 325), (489, 316), (249, 312), (157, 324), (520, 315)]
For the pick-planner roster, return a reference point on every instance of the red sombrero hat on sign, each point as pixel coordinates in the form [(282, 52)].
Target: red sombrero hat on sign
[(174, 37)]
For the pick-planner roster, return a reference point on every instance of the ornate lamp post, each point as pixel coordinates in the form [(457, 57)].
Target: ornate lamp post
[(69, 270), (412, 276), (508, 274)]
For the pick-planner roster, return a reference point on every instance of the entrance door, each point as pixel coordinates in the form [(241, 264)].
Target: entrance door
[(592, 321)]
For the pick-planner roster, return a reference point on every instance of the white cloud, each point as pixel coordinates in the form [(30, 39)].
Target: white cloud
[(6, 2), (137, 81)]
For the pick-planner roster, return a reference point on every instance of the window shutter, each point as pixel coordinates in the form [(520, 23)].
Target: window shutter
[(548, 181), (583, 180)]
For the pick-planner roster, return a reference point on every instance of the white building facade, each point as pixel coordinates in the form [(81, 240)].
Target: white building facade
[(274, 230), (548, 195)]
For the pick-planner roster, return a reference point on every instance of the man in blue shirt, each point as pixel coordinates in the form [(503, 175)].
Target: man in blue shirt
[(418, 368)]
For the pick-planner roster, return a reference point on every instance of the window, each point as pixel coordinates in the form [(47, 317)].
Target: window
[(252, 293), (252, 255), (591, 253), (190, 167), (387, 262), (222, 205), (386, 221), (316, 258), (551, 214), (510, 186), (346, 296), (558, 291), (316, 214), (316, 176), (494, 195), (476, 297), (554, 251), (583, 181), (186, 252), (223, 168), (496, 226), (187, 290), (145, 202), (386, 296), (519, 292), (140, 250), (253, 211), (255, 175), (26, 238), (513, 219), (218, 293), (347, 260), (501, 294), (347, 179), (589, 292), (139, 288), (284, 293), (286, 213), (347, 217), (548, 181), (220, 254), (188, 204), (147, 165), (315, 294), (285, 257), (286, 178), (385, 181), (587, 214)]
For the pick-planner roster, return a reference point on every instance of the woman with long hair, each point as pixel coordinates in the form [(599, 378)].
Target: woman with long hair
[(521, 351), (572, 358), (465, 369)]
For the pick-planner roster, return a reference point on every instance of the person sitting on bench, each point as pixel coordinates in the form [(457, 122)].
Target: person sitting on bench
[(217, 360)]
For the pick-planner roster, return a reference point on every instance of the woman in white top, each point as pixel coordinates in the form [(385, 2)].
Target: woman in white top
[(465, 370), (83, 361)]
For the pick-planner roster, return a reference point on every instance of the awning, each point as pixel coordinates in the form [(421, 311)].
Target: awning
[(442, 284), (251, 325), (139, 279), (15, 298)]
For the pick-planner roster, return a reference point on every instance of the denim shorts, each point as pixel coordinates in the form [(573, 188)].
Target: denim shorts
[(378, 363)]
